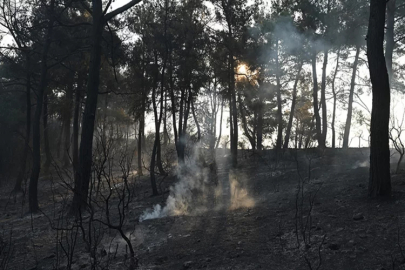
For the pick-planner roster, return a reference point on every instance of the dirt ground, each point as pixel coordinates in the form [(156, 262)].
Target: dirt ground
[(252, 224)]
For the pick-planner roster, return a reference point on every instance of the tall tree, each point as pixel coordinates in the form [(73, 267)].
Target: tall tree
[(320, 138), (324, 67), (351, 95), (36, 130), (334, 93), (390, 42), (380, 178), (14, 18), (100, 18), (279, 141), (293, 105)]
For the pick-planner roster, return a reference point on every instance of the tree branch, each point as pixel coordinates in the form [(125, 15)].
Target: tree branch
[(114, 13)]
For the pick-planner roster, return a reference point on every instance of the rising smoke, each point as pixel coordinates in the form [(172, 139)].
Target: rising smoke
[(198, 190)]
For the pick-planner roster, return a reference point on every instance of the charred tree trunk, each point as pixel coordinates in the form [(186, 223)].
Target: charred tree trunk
[(321, 142), (181, 138), (380, 178), (234, 112), (157, 132), (296, 134), (48, 157), (334, 101), (23, 168), (173, 105), (155, 146), (67, 122), (248, 133), (220, 125), (213, 118), (293, 104), (165, 131), (259, 129), (159, 145), (279, 141), (183, 120), (36, 129), (350, 105), (196, 121), (82, 177), (323, 97), (76, 124), (162, 98), (390, 42), (141, 133)]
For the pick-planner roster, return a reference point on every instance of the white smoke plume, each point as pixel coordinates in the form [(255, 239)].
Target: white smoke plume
[(193, 181), (198, 190)]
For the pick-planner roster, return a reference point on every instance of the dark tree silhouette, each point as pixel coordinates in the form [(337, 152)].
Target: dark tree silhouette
[(36, 129), (100, 18), (380, 179)]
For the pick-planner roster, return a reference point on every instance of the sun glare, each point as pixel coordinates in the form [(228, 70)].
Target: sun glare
[(242, 69)]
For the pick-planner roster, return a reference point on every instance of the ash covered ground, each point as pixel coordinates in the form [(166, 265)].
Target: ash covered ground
[(303, 210)]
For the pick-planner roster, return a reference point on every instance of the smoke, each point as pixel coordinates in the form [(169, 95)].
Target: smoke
[(296, 42), (287, 33), (198, 190), (191, 186), (239, 196), (361, 164)]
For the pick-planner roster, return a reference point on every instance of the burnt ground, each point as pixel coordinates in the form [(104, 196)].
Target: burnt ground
[(251, 225)]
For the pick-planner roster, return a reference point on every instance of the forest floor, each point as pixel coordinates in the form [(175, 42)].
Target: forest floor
[(250, 224)]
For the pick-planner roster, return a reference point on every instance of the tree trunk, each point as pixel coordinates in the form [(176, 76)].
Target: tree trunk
[(390, 42), (279, 141), (321, 142), (334, 101), (23, 168), (172, 97), (293, 103), (66, 123), (234, 137), (183, 119), (350, 106), (380, 179), (296, 134), (181, 140), (259, 129), (76, 124), (245, 126), (155, 146), (82, 177), (220, 125), (323, 97), (196, 121), (212, 121), (165, 131), (48, 157), (162, 100), (214, 115), (141, 133), (36, 129), (159, 146)]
